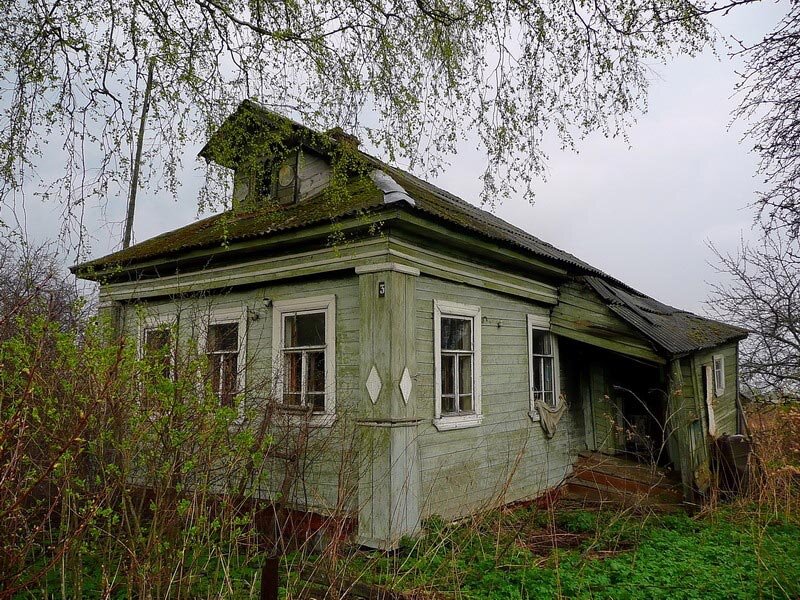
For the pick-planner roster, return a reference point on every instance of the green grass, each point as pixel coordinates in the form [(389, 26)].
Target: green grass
[(728, 555)]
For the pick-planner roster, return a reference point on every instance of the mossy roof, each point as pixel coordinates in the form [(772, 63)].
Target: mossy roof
[(673, 330)]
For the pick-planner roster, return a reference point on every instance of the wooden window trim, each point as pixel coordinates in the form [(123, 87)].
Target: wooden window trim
[(542, 323), (155, 323), (445, 422), (719, 382), (220, 316), (315, 304)]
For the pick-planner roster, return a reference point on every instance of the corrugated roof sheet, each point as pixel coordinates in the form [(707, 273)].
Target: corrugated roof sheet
[(673, 330)]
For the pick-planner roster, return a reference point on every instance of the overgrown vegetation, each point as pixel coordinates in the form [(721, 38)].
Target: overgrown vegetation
[(122, 476), (574, 553)]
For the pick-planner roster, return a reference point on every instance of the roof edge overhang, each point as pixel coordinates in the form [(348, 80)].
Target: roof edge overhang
[(196, 259)]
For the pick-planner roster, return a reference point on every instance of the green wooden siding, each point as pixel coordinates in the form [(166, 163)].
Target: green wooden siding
[(725, 411), (507, 457), (581, 315), (328, 485)]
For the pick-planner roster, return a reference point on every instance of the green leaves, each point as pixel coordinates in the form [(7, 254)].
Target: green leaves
[(414, 78)]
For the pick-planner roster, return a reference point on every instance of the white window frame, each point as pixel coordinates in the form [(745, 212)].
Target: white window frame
[(442, 308), (220, 316), (153, 323), (719, 383), (326, 304), (542, 323)]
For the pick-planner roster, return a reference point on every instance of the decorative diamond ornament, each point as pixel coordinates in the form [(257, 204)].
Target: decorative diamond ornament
[(374, 385), (405, 385)]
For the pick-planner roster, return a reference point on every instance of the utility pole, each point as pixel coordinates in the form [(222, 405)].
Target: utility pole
[(126, 239)]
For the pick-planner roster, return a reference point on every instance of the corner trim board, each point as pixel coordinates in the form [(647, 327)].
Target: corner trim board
[(387, 266)]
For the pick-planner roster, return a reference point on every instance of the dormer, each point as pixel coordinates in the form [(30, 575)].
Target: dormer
[(276, 162)]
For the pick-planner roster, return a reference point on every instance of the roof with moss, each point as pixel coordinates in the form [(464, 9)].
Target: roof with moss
[(673, 330)]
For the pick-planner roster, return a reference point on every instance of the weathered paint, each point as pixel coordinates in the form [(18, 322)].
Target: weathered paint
[(725, 410), (388, 488), (329, 481), (581, 315), (385, 460), (507, 457)]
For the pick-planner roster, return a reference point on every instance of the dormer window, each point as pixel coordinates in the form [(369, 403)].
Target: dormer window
[(280, 180)]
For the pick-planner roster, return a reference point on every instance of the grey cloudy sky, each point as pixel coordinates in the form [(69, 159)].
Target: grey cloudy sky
[(642, 210)]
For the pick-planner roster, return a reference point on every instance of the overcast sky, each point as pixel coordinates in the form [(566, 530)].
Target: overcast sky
[(642, 210)]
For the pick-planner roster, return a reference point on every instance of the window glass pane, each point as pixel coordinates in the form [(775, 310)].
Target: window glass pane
[(228, 385), (157, 348), (292, 366), (465, 374), (538, 384), (223, 337), (292, 399), (316, 401), (547, 367), (719, 373), (214, 367), (304, 330), (315, 375), (448, 374), (548, 398), (541, 342), (456, 334), (465, 402), (156, 341), (448, 404)]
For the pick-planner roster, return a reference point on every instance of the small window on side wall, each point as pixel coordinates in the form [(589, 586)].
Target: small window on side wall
[(304, 354), (457, 358), (543, 364), (719, 375)]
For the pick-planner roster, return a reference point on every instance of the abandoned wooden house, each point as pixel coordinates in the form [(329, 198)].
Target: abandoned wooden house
[(471, 361)]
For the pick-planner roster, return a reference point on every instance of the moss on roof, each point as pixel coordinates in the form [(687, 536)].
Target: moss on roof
[(672, 330), (231, 226)]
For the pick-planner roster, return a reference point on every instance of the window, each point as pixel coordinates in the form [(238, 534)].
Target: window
[(281, 179), (543, 369), (457, 358), (156, 343), (157, 349), (304, 353), (225, 345), (719, 375)]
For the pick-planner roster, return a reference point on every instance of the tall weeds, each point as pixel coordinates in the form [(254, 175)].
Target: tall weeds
[(115, 477)]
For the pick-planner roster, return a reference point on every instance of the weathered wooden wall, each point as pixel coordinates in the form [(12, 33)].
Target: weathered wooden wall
[(507, 457), (327, 485), (725, 411)]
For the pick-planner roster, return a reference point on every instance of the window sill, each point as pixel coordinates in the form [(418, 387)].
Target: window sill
[(294, 416), (534, 415), (460, 422)]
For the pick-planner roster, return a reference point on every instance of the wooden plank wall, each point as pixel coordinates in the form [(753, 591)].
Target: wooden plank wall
[(725, 411), (327, 483), (508, 457), (581, 315)]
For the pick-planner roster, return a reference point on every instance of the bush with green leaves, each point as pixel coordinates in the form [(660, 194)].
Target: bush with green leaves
[(116, 477)]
